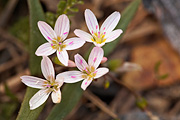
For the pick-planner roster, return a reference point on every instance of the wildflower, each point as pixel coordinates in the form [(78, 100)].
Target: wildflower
[(89, 71), (56, 39), (50, 85), (103, 35)]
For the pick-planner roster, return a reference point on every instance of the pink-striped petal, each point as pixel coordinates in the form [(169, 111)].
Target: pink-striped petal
[(113, 35), (38, 99), (60, 81), (71, 76), (74, 43), (83, 35), (45, 50), (62, 26), (85, 83), (111, 22), (91, 21), (47, 68), (46, 31), (33, 82), (63, 57), (101, 71), (80, 62), (56, 96), (95, 57)]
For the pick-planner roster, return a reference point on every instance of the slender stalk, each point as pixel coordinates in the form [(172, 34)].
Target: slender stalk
[(99, 103), (136, 95)]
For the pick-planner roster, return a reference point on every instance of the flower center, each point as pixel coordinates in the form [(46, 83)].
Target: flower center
[(98, 37), (89, 73), (58, 44), (51, 85)]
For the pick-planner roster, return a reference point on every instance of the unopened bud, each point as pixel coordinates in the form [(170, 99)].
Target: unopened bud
[(71, 64), (104, 59)]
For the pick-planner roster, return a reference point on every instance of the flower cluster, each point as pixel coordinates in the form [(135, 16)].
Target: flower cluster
[(57, 42)]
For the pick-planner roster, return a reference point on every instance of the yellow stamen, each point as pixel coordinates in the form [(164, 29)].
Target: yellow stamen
[(98, 38), (57, 43)]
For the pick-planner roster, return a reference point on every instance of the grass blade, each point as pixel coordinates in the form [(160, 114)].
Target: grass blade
[(36, 39)]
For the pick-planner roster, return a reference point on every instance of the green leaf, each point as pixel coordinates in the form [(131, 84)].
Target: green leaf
[(61, 7), (80, 2), (36, 39), (74, 9), (72, 92), (156, 67), (162, 77), (50, 18), (141, 103)]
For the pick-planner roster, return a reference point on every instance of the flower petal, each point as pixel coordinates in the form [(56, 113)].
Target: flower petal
[(45, 50), (63, 57), (46, 31), (91, 21), (80, 62), (33, 82), (111, 22), (38, 99), (85, 83), (60, 80), (113, 35), (56, 96), (101, 71), (83, 35), (62, 26), (71, 76), (74, 43), (95, 57), (47, 68)]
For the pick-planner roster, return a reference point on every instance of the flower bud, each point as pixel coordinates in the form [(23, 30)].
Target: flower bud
[(71, 64), (104, 59)]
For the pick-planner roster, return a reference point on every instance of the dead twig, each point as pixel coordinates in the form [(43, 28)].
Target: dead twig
[(6, 13), (123, 84), (99, 103)]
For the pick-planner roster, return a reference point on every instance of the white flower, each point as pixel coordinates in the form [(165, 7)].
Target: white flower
[(50, 85), (56, 39), (89, 71), (103, 35)]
